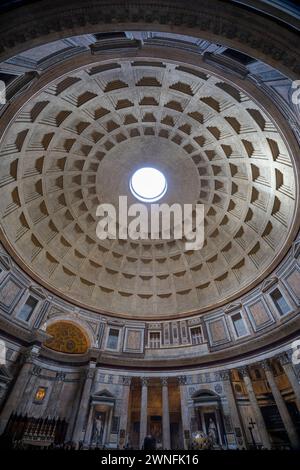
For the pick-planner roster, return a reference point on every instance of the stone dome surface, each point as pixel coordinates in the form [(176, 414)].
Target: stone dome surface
[(76, 143)]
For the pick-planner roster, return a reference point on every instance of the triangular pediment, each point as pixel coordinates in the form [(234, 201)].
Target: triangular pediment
[(233, 306), (268, 283), (38, 291), (296, 249), (5, 260), (104, 394), (204, 393)]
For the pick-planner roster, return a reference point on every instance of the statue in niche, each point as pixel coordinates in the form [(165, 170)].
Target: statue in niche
[(98, 428), (212, 431)]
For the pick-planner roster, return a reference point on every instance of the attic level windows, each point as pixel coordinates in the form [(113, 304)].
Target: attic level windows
[(239, 325), (113, 339), (28, 309), (280, 302), (196, 335), (154, 339)]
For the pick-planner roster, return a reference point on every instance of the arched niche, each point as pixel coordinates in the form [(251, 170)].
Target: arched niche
[(67, 337)]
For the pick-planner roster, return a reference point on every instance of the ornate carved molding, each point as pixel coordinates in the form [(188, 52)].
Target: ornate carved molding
[(243, 371), (60, 376), (144, 381), (285, 358), (36, 370), (224, 375), (164, 381)]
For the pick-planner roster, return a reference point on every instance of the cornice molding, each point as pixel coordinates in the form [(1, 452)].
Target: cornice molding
[(189, 17)]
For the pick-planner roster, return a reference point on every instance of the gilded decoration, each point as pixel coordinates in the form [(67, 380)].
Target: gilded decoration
[(67, 338)]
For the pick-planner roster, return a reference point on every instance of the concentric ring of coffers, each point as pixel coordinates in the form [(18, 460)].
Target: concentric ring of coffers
[(66, 151)]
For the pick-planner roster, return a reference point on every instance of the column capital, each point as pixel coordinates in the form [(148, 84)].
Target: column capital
[(90, 371), (30, 355), (224, 375), (243, 371), (126, 380), (60, 376), (265, 365), (144, 381), (164, 381), (36, 370), (284, 358), (182, 379)]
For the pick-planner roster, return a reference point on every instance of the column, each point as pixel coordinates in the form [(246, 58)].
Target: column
[(260, 422), (72, 412), (184, 411), (109, 423), (125, 408), (144, 411), (282, 408), (165, 414), (233, 409), (106, 426), (52, 407), (89, 428), (19, 386), (288, 368), (84, 403)]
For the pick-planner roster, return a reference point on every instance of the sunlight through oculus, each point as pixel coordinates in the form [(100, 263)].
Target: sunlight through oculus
[(148, 184)]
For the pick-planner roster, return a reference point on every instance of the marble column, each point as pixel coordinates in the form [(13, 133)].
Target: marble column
[(89, 428), (260, 422), (233, 409), (282, 408), (53, 403), (184, 411), (84, 403), (288, 368), (125, 409), (109, 423), (144, 411), (165, 414), (71, 416), (19, 386)]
